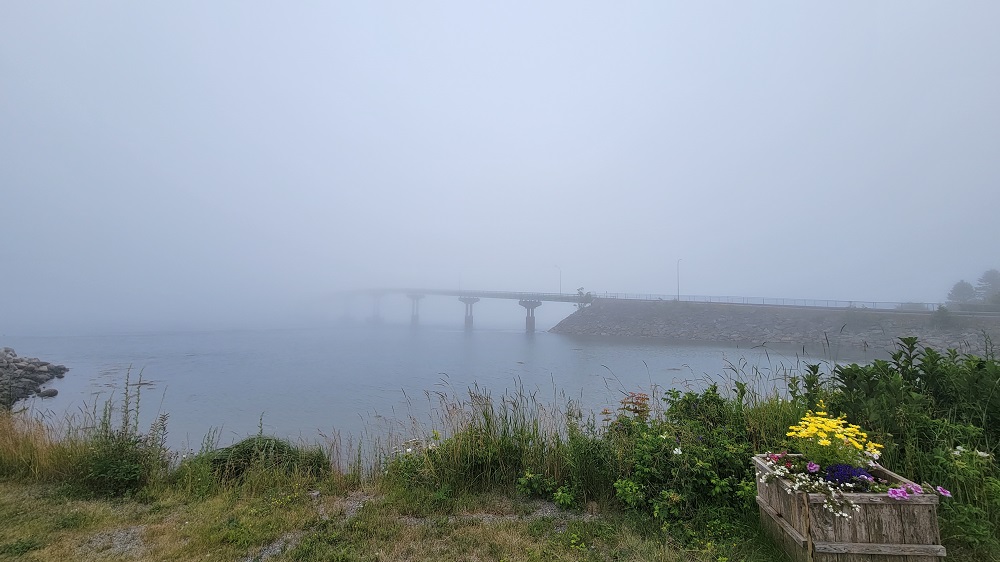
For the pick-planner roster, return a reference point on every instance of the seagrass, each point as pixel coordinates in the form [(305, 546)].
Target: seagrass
[(882, 530)]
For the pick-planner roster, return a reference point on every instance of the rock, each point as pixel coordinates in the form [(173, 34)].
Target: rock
[(21, 377)]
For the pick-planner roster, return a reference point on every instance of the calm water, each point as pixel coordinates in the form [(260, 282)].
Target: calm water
[(308, 383)]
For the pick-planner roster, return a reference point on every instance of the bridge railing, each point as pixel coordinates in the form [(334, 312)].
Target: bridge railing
[(812, 303)]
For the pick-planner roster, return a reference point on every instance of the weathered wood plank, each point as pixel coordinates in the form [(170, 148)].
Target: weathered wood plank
[(922, 499), (822, 530), (920, 528), (933, 550), (782, 523)]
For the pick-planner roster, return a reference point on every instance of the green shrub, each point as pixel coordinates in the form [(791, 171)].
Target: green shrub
[(117, 459), (266, 454), (689, 467), (938, 415), (536, 485)]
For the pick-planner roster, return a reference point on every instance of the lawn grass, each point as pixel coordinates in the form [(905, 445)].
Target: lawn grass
[(44, 522)]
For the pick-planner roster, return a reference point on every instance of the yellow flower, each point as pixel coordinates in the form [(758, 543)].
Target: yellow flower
[(824, 442)]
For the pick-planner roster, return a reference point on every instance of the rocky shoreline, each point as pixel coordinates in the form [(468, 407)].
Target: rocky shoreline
[(21, 377), (816, 329)]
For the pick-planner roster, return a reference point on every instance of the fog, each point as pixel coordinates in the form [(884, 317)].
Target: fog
[(190, 165)]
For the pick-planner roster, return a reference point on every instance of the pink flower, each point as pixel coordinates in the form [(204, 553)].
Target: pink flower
[(898, 493), (914, 488), (812, 467), (943, 492)]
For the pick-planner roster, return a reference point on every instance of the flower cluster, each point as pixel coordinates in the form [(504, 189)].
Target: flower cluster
[(846, 475), (827, 440), (834, 453), (804, 476), (906, 490)]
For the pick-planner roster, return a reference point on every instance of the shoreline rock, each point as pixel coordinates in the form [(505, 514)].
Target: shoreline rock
[(21, 377)]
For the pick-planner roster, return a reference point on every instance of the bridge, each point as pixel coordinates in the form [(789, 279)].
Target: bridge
[(529, 300), (532, 300)]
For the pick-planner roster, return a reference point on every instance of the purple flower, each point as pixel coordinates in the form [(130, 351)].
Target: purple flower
[(914, 488), (847, 474), (812, 467), (898, 493), (943, 492)]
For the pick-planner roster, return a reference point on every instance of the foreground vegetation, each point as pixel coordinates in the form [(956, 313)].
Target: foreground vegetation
[(662, 476)]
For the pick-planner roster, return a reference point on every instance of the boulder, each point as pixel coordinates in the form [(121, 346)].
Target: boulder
[(48, 393)]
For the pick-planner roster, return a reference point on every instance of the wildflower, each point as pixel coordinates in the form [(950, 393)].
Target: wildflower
[(943, 492), (982, 454), (914, 489), (677, 450), (898, 493), (812, 467), (958, 450)]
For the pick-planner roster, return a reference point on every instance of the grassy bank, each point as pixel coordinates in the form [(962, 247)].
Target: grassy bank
[(659, 476)]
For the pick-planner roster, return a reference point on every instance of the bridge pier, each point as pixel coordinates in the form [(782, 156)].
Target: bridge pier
[(529, 319), (469, 301), (415, 308)]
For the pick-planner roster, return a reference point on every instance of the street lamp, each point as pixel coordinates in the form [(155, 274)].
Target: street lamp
[(679, 279), (560, 278)]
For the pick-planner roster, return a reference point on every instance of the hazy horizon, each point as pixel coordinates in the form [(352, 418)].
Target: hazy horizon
[(224, 165)]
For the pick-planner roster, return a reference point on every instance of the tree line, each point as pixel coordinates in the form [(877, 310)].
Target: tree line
[(986, 290)]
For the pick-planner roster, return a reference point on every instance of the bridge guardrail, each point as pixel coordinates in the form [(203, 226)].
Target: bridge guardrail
[(810, 303)]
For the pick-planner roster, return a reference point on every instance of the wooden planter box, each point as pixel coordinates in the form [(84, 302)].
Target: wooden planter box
[(883, 530)]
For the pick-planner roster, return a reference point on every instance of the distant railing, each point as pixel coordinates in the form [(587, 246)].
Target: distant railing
[(810, 303)]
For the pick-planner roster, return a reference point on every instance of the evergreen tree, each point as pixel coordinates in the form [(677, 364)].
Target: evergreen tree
[(962, 292), (988, 289)]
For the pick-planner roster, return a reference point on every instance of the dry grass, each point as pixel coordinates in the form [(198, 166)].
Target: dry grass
[(32, 448)]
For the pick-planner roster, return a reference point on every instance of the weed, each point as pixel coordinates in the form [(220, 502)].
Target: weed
[(19, 547)]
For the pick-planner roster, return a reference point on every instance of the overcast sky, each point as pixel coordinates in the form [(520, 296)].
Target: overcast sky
[(232, 163)]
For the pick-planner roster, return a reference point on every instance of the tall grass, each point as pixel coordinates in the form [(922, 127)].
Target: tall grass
[(32, 449)]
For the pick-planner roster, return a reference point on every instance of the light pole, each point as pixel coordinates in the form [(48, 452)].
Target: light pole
[(560, 278), (679, 279)]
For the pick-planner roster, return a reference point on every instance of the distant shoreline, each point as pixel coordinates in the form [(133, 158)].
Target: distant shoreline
[(840, 333)]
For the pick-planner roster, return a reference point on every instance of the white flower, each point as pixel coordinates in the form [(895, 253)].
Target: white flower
[(677, 450), (982, 454), (409, 449), (958, 450)]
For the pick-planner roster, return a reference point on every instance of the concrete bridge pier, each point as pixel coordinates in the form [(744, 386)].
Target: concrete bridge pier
[(469, 301), (529, 319), (415, 308)]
